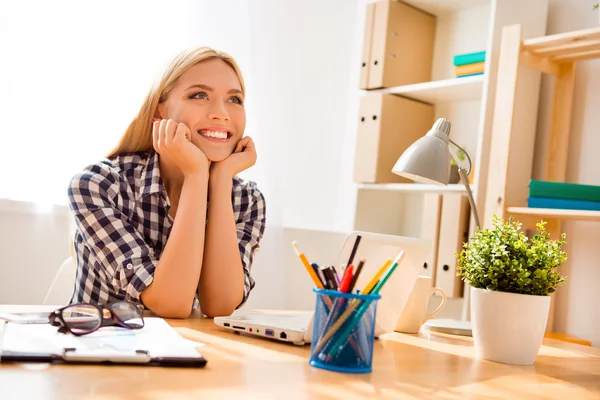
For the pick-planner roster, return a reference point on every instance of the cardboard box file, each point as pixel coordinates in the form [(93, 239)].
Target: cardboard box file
[(366, 50), (387, 125), (398, 43)]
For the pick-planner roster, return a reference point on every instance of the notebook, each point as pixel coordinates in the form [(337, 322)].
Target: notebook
[(156, 344), (296, 326)]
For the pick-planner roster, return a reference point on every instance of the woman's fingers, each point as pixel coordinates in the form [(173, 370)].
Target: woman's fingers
[(250, 144), (161, 133), (182, 132), (244, 143), (155, 127), (170, 130)]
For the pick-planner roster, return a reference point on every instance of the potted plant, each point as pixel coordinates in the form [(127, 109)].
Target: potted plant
[(511, 277), (454, 176)]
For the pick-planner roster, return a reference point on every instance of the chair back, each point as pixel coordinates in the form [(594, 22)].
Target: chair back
[(61, 287)]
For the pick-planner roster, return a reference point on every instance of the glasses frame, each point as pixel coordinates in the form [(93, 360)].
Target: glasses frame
[(56, 317)]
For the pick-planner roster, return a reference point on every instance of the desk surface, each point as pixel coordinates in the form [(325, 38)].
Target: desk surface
[(424, 366)]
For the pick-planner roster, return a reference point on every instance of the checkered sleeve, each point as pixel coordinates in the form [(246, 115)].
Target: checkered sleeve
[(250, 229), (102, 217)]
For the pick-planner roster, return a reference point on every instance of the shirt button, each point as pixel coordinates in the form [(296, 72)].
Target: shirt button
[(129, 266)]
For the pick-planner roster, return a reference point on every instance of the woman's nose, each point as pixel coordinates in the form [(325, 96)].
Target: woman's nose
[(218, 112)]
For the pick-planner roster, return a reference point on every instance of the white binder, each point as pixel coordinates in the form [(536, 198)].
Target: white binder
[(454, 232)]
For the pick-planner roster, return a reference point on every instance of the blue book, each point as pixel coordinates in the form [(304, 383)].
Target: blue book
[(469, 58), (476, 73), (564, 204)]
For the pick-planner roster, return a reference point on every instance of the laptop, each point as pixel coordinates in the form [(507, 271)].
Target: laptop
[(297, 326)]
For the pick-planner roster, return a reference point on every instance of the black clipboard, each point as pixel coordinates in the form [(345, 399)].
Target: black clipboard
[(72, 356)]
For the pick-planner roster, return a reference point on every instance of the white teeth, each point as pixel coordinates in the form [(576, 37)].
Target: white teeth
[(214, 134)]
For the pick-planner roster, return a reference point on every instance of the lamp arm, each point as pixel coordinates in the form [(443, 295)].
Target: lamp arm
[(465, 181), (467, 154)]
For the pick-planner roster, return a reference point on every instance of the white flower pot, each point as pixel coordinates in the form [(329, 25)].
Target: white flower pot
[(508, 327)]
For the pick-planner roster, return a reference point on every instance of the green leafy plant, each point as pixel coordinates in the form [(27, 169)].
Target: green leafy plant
[(596, 6), (460, 155), (506, 260)]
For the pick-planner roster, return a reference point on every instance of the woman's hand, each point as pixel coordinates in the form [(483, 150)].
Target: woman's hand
[(172, 141), (242, 158)]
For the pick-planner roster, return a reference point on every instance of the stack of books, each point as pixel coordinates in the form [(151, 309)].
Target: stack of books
[(469, 64), (563, 195)]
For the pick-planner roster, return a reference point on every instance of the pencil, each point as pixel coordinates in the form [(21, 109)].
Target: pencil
[(307, 265), (356, 273), (355, 303), (376, 277), (363, 308)]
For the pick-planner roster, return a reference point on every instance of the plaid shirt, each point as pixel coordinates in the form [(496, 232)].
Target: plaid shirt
[(122, 226)]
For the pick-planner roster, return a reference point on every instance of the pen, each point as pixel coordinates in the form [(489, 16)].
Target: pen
[(347, 279), (319, 274), (335, 274), (351, 307), (331, 282), (340, 302), (354, 248), (361, 263)]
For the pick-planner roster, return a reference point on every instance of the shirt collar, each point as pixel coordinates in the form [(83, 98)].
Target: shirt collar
[(151, 181)]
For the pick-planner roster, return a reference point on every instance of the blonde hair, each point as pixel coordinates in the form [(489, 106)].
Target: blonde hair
[(138, 136)]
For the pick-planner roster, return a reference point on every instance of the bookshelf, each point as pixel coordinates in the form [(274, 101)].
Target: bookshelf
[(462, 26), (442, 91), (414, 188), (553, 213), (511, 157), (556, 55)]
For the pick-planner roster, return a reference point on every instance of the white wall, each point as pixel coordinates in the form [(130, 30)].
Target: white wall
[(295, 58), (577, 311)]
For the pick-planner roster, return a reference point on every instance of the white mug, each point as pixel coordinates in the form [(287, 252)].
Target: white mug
[(415, 314)]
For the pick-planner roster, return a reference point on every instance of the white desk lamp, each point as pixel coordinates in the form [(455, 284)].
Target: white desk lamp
[(428, 161)]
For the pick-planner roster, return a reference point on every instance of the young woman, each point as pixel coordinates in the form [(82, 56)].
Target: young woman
[(164, 221)]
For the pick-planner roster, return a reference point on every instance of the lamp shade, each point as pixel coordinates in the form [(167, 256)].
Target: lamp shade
[(428, 159)]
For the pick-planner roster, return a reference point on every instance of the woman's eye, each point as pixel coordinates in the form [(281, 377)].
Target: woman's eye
[(236, 99), (199, 95)]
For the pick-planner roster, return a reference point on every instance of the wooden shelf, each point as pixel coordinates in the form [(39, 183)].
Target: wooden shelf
[(581, 215), (414, 187), (444, 91), (437, 7), (565, 47)]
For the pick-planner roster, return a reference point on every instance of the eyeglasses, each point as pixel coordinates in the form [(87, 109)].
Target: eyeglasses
[(81, 319)]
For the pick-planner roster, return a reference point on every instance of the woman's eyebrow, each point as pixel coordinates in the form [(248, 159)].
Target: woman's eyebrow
[(200, 86), (209, 89)]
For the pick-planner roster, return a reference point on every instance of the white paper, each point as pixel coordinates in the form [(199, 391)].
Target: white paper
[(157, 337)]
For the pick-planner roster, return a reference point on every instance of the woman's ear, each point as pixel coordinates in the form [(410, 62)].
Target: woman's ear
[(158, 113)]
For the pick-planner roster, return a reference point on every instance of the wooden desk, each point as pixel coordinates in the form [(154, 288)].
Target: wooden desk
[(240, 367)]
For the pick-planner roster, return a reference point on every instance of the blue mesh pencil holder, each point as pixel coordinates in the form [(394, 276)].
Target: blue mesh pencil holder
[(343, 331)]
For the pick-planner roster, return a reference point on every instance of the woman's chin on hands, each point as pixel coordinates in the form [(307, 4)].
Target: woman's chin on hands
[(243, 157)]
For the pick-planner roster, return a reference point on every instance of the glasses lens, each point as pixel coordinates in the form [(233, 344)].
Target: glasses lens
[(82, 318), (129, 313)]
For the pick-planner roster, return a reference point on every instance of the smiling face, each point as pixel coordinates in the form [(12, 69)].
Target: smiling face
[(208, 99)]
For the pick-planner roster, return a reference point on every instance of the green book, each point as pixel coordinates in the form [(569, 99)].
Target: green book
[(564, 190), (469, 58)]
